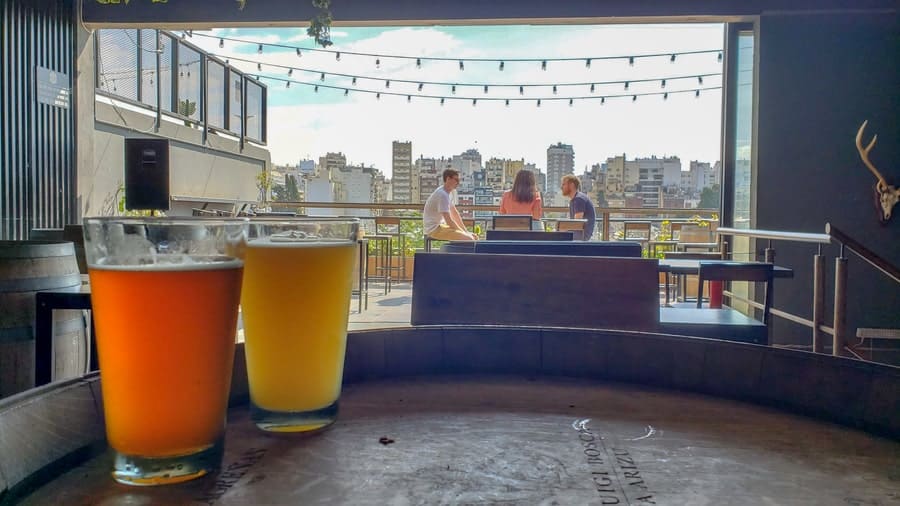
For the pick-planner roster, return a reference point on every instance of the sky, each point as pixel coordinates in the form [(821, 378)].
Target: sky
[(304, 123)]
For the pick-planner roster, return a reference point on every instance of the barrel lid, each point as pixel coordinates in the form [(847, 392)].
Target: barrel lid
[(36, 249)]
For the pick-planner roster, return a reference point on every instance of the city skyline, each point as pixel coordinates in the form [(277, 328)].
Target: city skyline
[(305, 124)]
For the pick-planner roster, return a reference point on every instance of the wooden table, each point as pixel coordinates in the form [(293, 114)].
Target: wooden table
[(680, 266)]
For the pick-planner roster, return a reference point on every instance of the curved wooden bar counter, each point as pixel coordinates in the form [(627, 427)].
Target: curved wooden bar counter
[(444, 415)]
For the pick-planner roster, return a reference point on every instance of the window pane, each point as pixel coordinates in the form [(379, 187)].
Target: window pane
[(254, 111), (215, 93), (167, 46), (149, 77), (117, 62), (188, 82), (743, 131), (235, 101)]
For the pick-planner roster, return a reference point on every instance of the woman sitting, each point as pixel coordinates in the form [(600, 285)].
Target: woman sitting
[(523, 198)]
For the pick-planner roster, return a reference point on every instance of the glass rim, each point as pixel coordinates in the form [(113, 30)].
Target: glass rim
[(167, 220), (287, 220)]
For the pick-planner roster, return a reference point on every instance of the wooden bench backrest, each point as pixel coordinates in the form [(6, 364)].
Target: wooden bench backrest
[(532, 290), (528, 235), (512, 222)]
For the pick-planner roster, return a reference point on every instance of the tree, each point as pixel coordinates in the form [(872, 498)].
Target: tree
[(278, 192), (291, 193), (710, 197)]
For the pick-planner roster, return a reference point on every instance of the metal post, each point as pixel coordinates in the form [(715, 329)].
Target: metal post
[(770, 253), (605, 234), (840, 305), (818, 318)]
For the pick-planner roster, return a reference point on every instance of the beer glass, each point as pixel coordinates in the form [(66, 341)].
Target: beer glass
[(295, 303), (165, 295)]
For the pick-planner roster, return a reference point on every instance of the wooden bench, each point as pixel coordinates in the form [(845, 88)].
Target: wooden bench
[(531, 290), (567, 248)]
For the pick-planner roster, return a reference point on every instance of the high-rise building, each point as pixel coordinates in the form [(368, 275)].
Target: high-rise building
[(353, 184), (494, 170), (403, 180), (560, 161), (429, 171), (332, 162), (467, 163), (655, 175)]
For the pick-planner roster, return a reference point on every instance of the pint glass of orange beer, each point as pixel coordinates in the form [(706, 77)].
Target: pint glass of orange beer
[(298, 275), (165, 295)]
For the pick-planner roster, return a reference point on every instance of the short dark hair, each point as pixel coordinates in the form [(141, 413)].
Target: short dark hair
[(574, 180), (448, 173)]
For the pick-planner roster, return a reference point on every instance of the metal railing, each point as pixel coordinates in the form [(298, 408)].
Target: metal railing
[(608, 218), (838, 331)]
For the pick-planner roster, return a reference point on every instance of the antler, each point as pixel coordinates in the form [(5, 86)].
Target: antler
[(864, 154)]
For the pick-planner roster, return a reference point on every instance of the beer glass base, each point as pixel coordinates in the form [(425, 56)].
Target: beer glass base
[(150, 471), (293, 421)]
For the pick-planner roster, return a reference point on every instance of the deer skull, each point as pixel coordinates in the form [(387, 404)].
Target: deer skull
[(886, 196)]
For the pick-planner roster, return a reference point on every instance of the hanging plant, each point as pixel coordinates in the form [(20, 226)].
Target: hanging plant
[(319, 26)]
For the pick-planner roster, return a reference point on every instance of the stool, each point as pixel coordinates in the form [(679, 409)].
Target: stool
[(46, 302), (381, 245), (390, 226)]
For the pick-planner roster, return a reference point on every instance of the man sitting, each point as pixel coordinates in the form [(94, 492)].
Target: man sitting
[(441, 219)]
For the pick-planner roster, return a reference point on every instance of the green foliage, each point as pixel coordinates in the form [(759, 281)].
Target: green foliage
[(187, 107), (710, 197)]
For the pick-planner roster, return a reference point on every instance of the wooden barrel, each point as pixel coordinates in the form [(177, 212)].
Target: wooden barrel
[(27, 267)]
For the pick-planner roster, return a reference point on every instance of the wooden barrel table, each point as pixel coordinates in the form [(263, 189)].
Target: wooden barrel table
[(501, 415)]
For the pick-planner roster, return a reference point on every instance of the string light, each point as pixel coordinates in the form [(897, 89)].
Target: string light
[(587, 63), (316, 89), (418, 63), (322, 77), (634, 98), (420, 86), (408, 98), (442, 100), (666, 96), (474, 101), (719, 57), (521, 90), (287, 84), (453, 89), (387, 84), (378, 96), (290, 72), (485, 88), (544, 65), (631, 61), (554, 89), (592, 88), (602, 100), (502, 64), (353, 82), (672, 58), (221, 43), (700, 79), (539, 102), (626, 84), (299, 54), (461, 66), (697, 94), (337, 56), (259, 49), (507, 102), (377, 63), (346, 92), (259, 67), (570, 102), (662, 84)]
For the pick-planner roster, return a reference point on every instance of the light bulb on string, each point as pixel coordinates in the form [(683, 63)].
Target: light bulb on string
[(290, 72), (666, 95), (418, 63), (337, 56), (507, 102), (299, 54), (485, 88), (672, 58), (474, 101), (387, 84), (544, 65), (602, 100), (554, 89), (461, 65), (346, 92), (453, 89), (189, 73), (420, 86), (181, 74), (521, 90), (408, 99), (378, 96), (287, 84), (539, 102), (442, 100), (221, 43), (502, 64), (697, 94), (592, 88), (259, 49), (700, 79), (587, 63), (627, 84), (377, 63), (570, 102), (322, 76), (720, 57), (353, 82), (662, 84), (316, 88), (634, 98), (631, 61)]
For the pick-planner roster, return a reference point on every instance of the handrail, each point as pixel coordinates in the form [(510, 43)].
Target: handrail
[(776, 234), (394, 206), (863, 252)]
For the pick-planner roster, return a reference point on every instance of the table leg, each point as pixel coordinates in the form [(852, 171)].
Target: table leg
[(43, 343)]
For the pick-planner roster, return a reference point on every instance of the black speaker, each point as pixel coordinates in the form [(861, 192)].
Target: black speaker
[(147, 174)]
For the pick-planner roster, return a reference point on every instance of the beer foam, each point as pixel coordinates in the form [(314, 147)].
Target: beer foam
[(295, 242), (168, 263)]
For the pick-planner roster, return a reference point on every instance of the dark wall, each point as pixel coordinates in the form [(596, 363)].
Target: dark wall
[(37, 141), (820, 76), (227, 12)]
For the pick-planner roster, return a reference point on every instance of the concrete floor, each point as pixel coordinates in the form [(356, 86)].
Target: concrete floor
[(384, 311)]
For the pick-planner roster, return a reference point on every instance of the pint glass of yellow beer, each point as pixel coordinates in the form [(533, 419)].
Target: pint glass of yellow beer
[(295, 303), (165, 295)]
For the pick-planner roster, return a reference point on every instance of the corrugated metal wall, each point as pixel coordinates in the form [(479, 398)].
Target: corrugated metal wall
[(37, 141)]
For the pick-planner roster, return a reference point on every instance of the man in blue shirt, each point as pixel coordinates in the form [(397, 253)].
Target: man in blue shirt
[(580, 207)]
